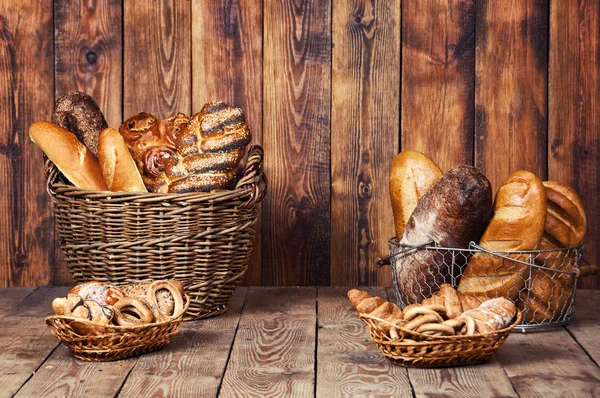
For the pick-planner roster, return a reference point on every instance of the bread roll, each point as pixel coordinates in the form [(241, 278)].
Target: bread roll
[(119, 170), (71, 157), (102, 292), (492, 315), (411, 175), (551, 292), (517, 224), (452, 213)]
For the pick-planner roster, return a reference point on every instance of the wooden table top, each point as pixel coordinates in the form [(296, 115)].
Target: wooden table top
[(288, 342)]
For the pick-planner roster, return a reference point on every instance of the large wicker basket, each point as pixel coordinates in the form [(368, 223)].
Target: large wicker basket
[(203, 239)]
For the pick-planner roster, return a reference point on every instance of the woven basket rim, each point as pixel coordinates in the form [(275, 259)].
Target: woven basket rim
[(123, 329), (432, 340)]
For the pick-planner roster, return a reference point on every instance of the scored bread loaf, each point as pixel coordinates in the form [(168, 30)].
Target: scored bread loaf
[(411, 175), (69, 155), (452, 213), (565, 226), (517, 224), (119, 170)]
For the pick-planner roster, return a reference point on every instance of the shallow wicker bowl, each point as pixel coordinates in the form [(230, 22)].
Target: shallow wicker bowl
[(90, 341), (417, 350)]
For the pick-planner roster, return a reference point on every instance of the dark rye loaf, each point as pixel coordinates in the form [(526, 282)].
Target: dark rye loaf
[(453, 212)]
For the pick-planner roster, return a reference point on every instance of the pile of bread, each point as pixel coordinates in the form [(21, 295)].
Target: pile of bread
[(177, 154), (442, 319), (136, 304), (456, 208)]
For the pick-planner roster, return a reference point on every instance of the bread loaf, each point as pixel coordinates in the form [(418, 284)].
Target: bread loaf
[(565, 226), (411, 175), (453, 212), (119, 170), (517, 224), (492, 315), (71, 157)]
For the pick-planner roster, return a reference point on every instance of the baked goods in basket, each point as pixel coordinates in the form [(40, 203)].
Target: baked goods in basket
[(119, 170), (452, 213), (517, 224)]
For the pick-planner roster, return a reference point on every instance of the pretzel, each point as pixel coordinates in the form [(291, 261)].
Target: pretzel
[(131, 311)]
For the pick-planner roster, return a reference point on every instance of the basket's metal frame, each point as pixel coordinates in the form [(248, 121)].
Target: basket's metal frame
[(505, 255)]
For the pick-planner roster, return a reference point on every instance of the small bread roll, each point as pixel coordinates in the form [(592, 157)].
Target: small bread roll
[(71, 157), (119, 170), (411, 175)]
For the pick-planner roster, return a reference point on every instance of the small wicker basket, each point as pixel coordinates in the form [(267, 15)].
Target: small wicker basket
[(91, 341), (418, 350), (203, 239)]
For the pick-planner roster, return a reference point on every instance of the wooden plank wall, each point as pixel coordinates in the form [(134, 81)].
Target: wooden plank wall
[(331, 89)]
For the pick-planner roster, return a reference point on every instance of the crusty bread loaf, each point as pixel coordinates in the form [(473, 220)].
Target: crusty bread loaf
[(492, 315), (411, 175), (119, 170), (551, 292), (453, 212), (71, 157), (517, 224)]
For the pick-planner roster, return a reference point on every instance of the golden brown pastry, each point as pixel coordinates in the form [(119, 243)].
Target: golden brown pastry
[(104, 293), (517, 224), (164, 298), (119, 170), (69, 155), (208, 151), (411, 175), (78, 113), (492, 315), (551, 292), (131, 311), (75, 306)]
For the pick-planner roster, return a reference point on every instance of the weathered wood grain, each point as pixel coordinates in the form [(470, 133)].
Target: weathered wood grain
[(348, 361), (88, 58), (227, 65), (549, 364), (9, 298), (156, 57), (26, 95), (274, 350), (485, 380), (296, 123), (364, 136), (511, 90), (194, 363), (438, 79), (574, 110), (586, 321), (25, 340)]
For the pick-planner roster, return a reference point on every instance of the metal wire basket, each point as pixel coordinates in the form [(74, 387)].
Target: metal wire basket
[(542, 282)]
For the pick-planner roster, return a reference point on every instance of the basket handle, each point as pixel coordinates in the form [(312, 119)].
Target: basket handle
[(381, 261), (254, 178), (587, 269)]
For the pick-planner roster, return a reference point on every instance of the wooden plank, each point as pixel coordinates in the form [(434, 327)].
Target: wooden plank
[(274, 350), (365, 137), (484, 380), (194, 363), (88, 58), (227, 65), (549, 364), (26, 95), (438, 79), (511, 92), (574, 110), (296, 109), (156, 57), (348, 361), (10, 297), (586, 322), (25, 341)]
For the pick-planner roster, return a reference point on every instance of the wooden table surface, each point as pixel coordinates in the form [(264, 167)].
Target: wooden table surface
[(288, 342)]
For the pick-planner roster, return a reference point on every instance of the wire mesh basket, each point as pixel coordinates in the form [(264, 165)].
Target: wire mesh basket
[(541, 283)]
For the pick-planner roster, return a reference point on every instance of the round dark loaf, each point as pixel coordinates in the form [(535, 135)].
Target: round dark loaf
[(452, 213)]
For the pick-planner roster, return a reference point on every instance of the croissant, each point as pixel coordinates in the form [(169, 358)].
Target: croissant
[(365, 304), (454, 301), (208, 151)]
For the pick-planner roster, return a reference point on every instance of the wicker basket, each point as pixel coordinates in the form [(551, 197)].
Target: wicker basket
[(91, 341), (203, 239), (417, 350)]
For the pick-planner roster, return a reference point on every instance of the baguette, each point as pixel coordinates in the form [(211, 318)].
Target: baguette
[(411, 175), (119, 170), (71, 157), (517, 224)]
